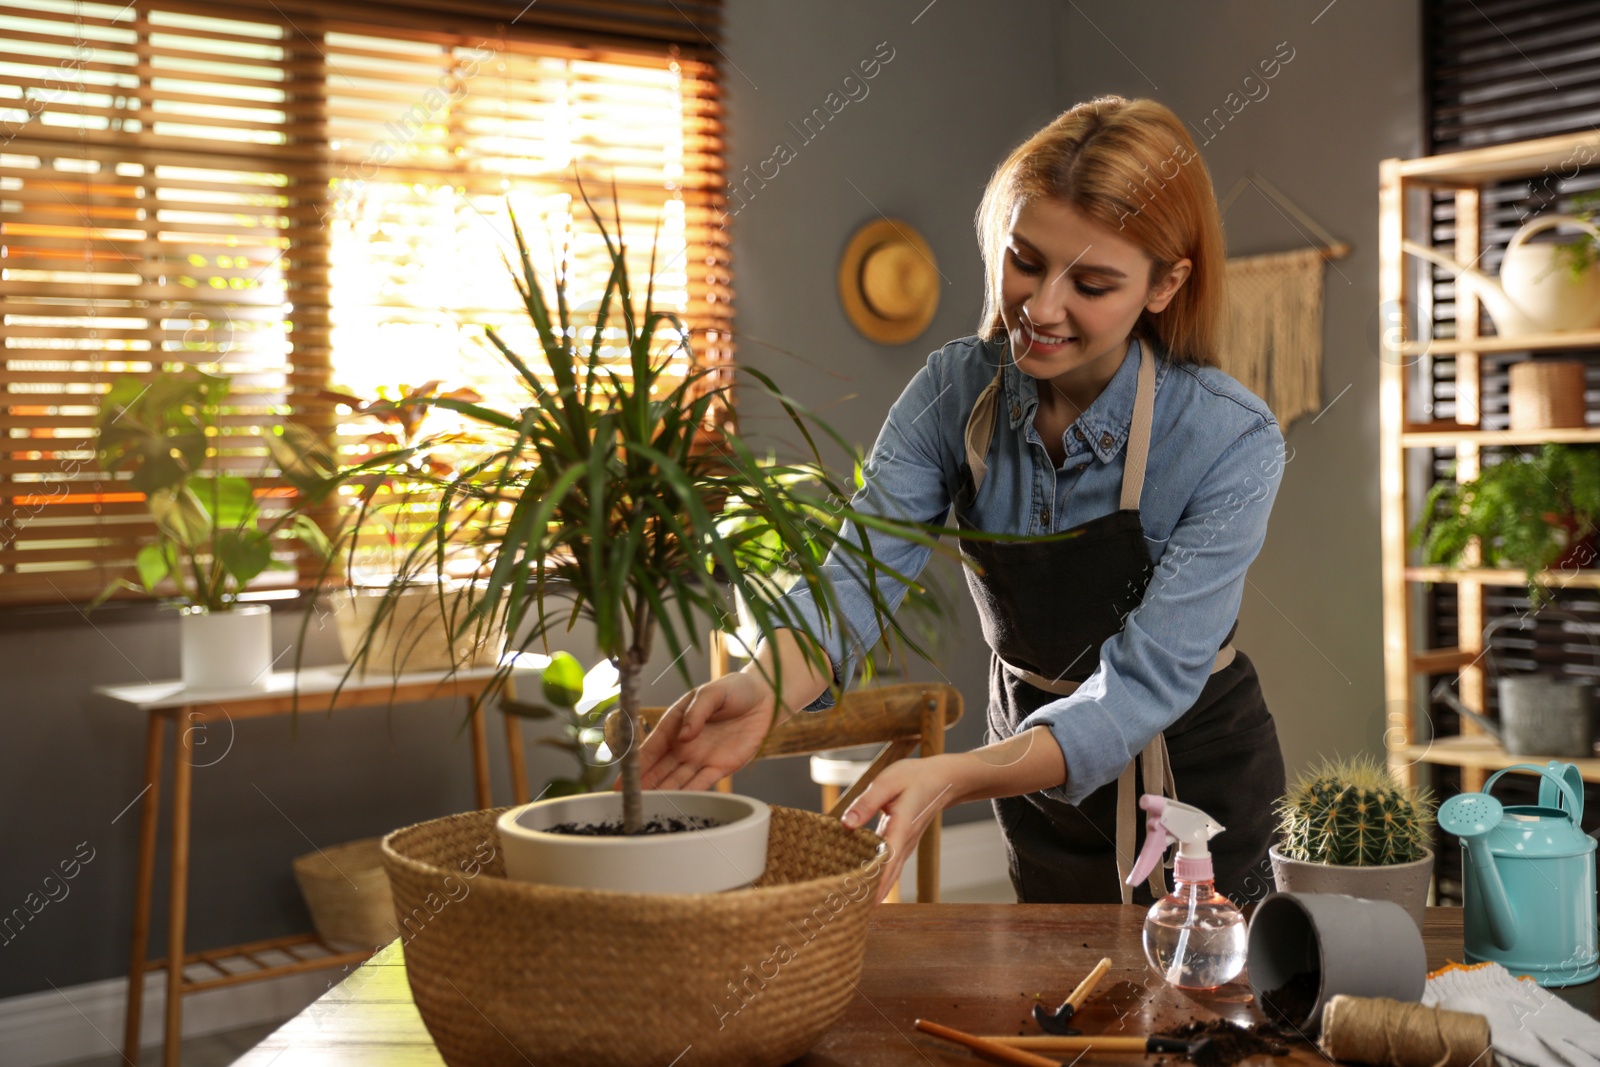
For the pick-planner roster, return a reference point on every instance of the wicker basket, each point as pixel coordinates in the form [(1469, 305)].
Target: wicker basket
[(1547, 394), (348, 893), (509, 973), (414, 634)]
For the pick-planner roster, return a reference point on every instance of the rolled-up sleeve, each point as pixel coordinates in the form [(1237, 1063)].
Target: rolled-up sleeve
[(904, 477), (1152, 671)]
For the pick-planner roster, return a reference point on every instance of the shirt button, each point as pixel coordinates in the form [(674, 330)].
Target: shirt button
[(1081, 467), (1016, 411), (1044, 516), (1077, 431), (1105, 440)]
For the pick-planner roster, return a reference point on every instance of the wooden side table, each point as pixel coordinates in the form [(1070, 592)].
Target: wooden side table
[(311, 690)]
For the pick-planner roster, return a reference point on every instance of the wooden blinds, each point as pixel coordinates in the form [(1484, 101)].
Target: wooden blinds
[(309, 198)]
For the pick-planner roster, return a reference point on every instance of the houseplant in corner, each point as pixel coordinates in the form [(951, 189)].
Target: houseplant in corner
[(1349, 827), (212, 534), (598, 498)]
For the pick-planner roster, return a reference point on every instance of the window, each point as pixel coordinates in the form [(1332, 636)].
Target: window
[(302, 198)]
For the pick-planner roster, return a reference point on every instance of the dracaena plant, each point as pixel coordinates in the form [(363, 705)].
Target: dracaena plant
[(598, 494), (212, 536)]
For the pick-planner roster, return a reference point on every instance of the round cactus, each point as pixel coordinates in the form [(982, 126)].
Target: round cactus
[(1352, 813)]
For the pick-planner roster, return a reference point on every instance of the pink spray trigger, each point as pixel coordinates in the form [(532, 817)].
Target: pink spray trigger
[(1155, 838)]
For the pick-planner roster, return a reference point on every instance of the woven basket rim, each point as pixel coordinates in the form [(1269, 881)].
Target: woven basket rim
[(617, 896)]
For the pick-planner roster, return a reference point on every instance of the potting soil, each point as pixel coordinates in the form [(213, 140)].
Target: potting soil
[(674, 825), (1229, 1042)]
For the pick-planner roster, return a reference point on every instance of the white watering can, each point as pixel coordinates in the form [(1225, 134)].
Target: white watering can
[(1536, 293)]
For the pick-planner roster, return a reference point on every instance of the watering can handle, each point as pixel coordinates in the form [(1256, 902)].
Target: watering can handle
[(1547, 222), (1548, 794), (1496, 623), (1572, 800)]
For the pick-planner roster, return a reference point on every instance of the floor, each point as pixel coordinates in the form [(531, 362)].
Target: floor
[(209, 1050), (220, 1050)]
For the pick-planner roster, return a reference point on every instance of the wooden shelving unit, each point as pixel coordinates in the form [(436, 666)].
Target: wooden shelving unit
[(1406, 662)]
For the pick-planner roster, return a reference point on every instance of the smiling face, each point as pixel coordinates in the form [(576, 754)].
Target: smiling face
[(1072, 290)]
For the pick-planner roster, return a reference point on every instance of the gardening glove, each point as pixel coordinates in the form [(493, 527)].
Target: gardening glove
[(1528, 1026)]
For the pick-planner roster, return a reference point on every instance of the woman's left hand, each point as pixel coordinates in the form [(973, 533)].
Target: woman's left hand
[(909, 795)]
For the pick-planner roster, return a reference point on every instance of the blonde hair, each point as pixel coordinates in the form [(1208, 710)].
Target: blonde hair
[(1131, 166)]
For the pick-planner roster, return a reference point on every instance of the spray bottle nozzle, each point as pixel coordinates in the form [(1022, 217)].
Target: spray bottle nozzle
[(1171, 821)]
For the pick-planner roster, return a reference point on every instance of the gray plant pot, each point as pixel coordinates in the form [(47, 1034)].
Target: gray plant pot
[(1404, 883), (1360, 948)]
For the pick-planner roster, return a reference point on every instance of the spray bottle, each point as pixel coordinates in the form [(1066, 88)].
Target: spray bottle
[(1194, 937)]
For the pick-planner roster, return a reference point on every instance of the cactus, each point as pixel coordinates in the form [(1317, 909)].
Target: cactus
[(1352, 813)]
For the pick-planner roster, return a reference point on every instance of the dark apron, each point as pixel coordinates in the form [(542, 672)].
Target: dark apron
[(1046, 609)]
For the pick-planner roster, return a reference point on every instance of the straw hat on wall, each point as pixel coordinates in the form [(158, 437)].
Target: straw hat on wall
[(889, 282)]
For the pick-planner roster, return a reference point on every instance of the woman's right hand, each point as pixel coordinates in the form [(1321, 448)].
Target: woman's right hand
[(710, 732)]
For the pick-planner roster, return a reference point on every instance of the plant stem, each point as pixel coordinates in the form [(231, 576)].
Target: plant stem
[(628, 669)]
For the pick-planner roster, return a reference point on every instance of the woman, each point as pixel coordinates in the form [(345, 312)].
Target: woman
[(1089, 402)]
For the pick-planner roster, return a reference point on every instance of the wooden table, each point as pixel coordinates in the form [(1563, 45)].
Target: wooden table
[(977, 967), (192, 714)]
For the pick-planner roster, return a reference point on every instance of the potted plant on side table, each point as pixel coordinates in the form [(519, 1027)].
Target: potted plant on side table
[(212, 534), (598, 499), (1349, 827)]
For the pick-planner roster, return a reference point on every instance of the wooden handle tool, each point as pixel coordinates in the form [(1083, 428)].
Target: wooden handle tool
[(1052, 1043), (1056, 1022), (988, 1048)]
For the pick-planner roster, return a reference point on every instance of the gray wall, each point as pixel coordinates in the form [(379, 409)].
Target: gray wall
[(967, 81)]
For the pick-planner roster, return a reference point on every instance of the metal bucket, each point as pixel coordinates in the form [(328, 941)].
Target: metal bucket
[(1540, 714), (1544, 714)]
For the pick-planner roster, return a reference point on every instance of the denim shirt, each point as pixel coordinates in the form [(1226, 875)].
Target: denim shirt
[(1216, 458)]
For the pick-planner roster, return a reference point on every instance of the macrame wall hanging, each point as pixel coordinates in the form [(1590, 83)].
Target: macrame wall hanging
[(1272, 337)]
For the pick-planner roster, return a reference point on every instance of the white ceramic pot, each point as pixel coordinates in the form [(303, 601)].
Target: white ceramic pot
[(225, 649), (1404, 883), (729, 856)]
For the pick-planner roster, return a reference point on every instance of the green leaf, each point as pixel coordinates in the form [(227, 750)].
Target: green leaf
[(230, 501), (563, 680), (526, 711), (244, 553), (180, 517), (151, 563)]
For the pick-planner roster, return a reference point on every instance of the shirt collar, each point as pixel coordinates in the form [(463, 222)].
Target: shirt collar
[(1107, 420)]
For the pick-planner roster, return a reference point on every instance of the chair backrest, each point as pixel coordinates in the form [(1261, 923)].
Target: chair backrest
[(861, 717)]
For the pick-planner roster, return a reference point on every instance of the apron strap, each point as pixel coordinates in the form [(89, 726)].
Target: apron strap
[(980, 429), (1157, 770), (1144, 406)]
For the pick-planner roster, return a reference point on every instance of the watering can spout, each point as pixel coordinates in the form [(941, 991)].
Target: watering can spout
[(1508, 317), (1502, 920)]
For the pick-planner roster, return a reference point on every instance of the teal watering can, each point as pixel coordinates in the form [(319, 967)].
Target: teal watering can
[(1529, 878)]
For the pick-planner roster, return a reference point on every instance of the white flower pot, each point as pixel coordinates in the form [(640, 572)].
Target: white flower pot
[(729, 856), (1404, 883), (225, 649)]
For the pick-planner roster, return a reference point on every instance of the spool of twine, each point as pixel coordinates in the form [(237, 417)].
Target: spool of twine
[(1392, 1033)]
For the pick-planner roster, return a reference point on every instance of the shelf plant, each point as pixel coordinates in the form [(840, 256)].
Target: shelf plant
[(1347, 826), (1534, 512), (597, 495)]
